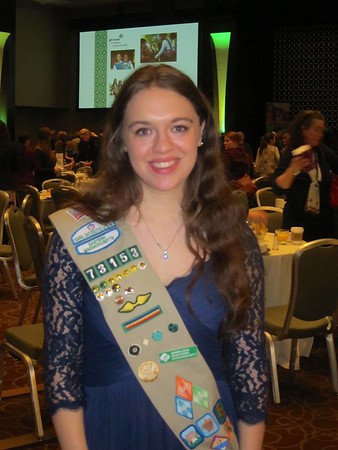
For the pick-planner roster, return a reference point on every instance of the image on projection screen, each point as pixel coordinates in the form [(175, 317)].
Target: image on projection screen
[(108, 57)]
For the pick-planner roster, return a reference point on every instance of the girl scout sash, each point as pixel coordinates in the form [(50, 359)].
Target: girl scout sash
[(149, 330)]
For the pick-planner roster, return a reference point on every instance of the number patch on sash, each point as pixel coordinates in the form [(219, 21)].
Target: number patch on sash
[(114, 262)]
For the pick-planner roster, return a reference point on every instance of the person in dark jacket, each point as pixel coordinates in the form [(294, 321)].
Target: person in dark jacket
[(304, 175), (89, 149), (44, 158), (25, 156)]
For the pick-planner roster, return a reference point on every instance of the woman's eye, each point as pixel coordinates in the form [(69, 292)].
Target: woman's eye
[(180, 128), (142, 132)]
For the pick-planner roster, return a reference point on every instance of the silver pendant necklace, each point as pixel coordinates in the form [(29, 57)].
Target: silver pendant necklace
[(165, 254)]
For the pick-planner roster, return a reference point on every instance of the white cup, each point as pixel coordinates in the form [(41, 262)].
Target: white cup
[(297, 235)]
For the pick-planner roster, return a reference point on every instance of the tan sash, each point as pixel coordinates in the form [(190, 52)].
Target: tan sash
[(148, 329)]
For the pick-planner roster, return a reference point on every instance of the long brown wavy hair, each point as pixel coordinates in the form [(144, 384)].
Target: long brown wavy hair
[(215, 224)]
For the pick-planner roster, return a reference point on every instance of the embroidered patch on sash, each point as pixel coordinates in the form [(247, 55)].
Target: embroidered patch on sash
[(184, 388), (184, 408), (207, 425), (142, 318), (219, 411), (191, 437), (114, 262), (200, 397), (219, 443), (178, 354), (93, 237)]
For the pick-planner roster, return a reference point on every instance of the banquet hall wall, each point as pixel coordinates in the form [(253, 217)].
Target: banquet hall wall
[(45, 70)]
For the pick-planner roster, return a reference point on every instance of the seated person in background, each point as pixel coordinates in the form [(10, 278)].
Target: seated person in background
[(267, 156), (25, 155), (89, 149), (44, 160), (238, 161)]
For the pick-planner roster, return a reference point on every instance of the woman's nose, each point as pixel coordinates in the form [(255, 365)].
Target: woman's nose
[(163, 142)]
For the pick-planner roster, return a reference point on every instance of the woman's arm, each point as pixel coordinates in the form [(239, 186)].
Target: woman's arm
[(251, 436), (247, 359), (70, 429), (63, 347), (297, 164)]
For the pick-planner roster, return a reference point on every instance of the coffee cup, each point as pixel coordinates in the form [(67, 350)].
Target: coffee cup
[(297, 235)]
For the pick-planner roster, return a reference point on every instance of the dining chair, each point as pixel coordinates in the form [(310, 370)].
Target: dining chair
[(55, 182), (62, 195), (274, 216), (6, 254), (69, 176), (26, 341), (262, 182), (312, 305), (37, 245), (22, 257), (266, 197), (29, 200), (32, 205)]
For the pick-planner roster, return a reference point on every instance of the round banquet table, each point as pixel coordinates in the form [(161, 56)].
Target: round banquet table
[(278, 272)]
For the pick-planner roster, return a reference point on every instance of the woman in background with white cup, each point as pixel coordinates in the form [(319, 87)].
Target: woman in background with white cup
[(304, 176)]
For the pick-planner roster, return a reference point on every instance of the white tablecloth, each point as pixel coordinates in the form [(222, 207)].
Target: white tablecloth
[(278, 270)]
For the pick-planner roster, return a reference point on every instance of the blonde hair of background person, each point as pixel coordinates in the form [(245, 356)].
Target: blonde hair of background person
[(161, 171)]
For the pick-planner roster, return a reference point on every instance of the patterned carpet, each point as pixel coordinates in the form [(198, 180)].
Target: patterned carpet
[(306, 420)]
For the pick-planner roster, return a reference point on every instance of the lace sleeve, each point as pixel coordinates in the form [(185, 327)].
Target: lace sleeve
[(62, 306), (247, 361)]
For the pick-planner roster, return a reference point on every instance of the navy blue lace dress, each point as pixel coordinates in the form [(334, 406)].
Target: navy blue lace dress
[(84, 367)]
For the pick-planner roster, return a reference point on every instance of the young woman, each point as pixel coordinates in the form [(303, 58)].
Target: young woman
[(160, 178)]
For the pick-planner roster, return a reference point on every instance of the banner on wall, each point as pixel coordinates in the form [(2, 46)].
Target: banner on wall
[(277, 116)]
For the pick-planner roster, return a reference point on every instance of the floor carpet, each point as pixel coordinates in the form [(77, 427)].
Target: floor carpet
[(306, 420)]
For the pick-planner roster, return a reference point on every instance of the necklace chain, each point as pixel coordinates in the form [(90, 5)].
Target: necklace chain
[(165, 254)]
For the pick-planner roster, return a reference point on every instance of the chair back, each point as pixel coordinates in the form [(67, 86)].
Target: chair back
[(27, 205), (4, 202), (31, 205), (14, 222), (266, 197), (262, 182), (55, 182), (69, 176), (37, 245), (274, 216), (63, 195), (314, 289)]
